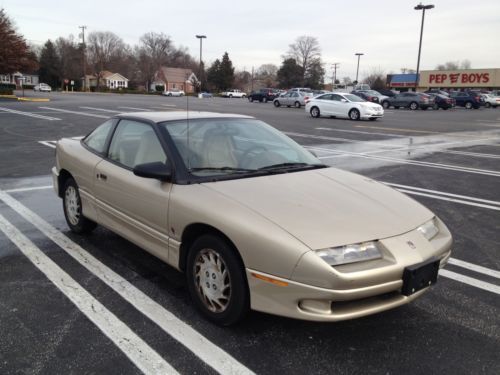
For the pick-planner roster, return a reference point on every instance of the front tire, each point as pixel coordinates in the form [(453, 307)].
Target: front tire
[(385, 104), (354, 114), (315, 112), (216, 280), (250, 99), (264, 100), (72, 207), (297, 104), (487, 105), (413, 106), (276, 103), (468, 105)]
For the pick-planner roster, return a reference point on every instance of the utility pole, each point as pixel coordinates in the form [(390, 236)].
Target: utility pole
[(201, 37), (334, 73), (84, 85), (423, 8), (359, 54)]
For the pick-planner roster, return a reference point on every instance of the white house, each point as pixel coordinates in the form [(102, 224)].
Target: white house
[(16, 78), (114, 80)]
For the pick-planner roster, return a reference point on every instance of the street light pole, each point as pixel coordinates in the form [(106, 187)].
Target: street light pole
[(334, 73), (84, 84), (201, 37), (422, 8), (357, 70)]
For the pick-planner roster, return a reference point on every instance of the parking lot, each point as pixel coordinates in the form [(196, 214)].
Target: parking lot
[(105, 306)]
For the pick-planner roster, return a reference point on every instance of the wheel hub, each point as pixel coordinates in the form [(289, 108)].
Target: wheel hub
[(212, 280), (72, 205)]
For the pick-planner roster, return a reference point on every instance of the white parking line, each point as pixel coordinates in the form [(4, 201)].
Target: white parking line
[(210, 353), (101, 109), (51, 144), (31, 188), (466, 197), (29, 114), (140, 353), (74, 112), (409, 161), (137, 109), (362, 132), (474, 267), (470, 281)]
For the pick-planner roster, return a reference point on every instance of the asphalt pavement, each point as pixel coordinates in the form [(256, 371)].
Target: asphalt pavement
[(99, 304)]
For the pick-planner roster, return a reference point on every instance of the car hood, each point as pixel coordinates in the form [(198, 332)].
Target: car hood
[(327, 207), (371, 105)]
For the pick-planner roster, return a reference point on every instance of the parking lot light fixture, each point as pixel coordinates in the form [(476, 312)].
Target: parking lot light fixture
[(423, 8), (359, 54), (201, 37)]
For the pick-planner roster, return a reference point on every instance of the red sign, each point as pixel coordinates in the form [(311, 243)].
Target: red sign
[(463, 78)]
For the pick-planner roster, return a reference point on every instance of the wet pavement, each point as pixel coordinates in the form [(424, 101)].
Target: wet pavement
[(447, 160)]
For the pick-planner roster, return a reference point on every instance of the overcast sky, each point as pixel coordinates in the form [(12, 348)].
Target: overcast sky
[(259, 32)]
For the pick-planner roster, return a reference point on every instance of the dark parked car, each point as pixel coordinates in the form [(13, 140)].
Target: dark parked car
[(467, 99), (366, 96), (442, 101), (411, 100), (437, 91), (387, 92), (263, 95)]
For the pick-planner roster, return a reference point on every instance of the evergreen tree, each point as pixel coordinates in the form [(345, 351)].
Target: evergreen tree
[(50, 65), (226, 73), (290, 74), (213, 74)]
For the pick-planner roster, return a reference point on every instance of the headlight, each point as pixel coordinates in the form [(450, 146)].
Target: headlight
[(429, 229), (335, 256)]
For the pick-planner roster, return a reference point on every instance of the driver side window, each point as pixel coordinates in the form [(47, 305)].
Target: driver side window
[(135, 143)]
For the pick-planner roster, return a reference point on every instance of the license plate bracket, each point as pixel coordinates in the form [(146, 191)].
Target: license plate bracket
[(420, 276)]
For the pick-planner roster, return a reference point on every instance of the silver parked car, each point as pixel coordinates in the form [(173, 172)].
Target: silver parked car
[(293, 98)]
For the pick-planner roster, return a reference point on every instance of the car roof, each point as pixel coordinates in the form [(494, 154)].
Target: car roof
[(178, 115)]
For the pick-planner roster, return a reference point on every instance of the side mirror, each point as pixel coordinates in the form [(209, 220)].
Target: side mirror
[(156, 170), (343, 100)]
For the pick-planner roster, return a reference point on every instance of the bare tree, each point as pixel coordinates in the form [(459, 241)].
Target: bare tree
[(151, 54), (267, 70), (103, 47), (307, 53), (376, 78)]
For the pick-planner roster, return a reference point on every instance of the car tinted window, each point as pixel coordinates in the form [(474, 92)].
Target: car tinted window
[(135, 143), (325, 97), (337, 98), (97, 139)]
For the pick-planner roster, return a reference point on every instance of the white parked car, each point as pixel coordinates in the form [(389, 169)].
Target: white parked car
[(343, 105), (292, 98), (233, 94), (174, 92), (42, 87), (491, 100)]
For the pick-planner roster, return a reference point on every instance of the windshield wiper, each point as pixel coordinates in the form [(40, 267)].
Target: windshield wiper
[(222, 169), (292, 166)]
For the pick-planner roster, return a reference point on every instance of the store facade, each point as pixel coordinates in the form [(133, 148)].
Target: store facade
[(488, 79)]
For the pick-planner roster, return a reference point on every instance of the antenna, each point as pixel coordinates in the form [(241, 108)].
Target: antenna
[(187, 130)]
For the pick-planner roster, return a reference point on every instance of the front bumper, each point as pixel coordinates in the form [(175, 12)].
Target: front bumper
[(308, 302), (55, 180)]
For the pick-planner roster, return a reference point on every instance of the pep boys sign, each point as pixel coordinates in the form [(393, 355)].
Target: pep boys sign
[(465, 78)]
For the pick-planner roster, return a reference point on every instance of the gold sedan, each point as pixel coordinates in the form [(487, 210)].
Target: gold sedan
[(251, 218)]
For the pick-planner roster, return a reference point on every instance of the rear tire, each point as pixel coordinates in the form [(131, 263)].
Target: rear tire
[(354, 114), (216, 280), (276, 103), (413, 106), (315, 112), (264, 100), (468, 105), (297, 105), (385, 104), (487, 105), (250, 99), (72, 207)]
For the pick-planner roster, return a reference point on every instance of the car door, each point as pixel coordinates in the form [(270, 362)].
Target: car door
[(133, 206), (339, 105), (325, 104)]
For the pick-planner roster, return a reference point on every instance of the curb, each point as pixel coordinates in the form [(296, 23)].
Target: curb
[(24, 99)]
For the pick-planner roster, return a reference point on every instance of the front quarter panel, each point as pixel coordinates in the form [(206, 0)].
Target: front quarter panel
[(263, 245)]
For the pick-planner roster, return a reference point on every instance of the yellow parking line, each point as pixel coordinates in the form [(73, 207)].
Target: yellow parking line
[(397, 130)]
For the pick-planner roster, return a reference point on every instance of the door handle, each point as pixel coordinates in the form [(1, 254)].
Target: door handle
[(101, 176)]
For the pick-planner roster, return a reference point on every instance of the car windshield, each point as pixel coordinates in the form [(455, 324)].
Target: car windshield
[(239, 146), (354, 98)]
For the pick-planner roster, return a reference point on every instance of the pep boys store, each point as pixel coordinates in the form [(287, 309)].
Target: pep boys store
[(460, 79)]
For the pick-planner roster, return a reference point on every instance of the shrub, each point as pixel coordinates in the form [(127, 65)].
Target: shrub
[(7, 88), (160, 88)]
